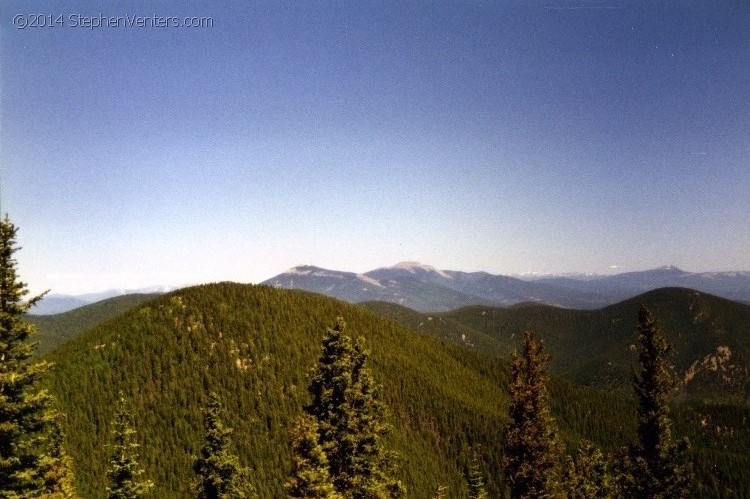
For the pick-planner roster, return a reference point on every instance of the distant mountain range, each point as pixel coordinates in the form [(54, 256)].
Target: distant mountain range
[(60, 303), (427, 289)]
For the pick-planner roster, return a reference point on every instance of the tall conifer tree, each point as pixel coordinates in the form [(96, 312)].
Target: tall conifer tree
[(531, 459), (350, 416), (219, 474), (25, 408), (124, 474), (657, 467)]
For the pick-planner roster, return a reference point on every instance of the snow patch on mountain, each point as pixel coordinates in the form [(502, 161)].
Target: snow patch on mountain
[(299, 271), (412, 267), (369, 280), (312, 271)]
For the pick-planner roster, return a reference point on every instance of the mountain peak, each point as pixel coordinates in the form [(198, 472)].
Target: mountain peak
[(671, 268), (300, 269)]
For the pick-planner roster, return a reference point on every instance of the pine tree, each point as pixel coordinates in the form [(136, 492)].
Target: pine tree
[(587, 475), (351, 419), (475, 478), (124, 475), (57, 467), (440, 492), (656, 467), (25, 408), (310, 478), (531, 460), (219, 474)]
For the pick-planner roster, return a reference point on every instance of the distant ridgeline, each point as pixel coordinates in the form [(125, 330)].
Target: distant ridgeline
[(426, 289), (59, 303), (52, 330), (254, 346)]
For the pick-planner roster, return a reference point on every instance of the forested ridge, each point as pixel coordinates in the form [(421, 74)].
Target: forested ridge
[(52, 330), (254, 346), (711, 336)]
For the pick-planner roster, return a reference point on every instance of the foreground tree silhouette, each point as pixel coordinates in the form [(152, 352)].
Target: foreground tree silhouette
[(25, 408), (350, 419), (219, 475), (531, 459), (124, 475), (656, 467)]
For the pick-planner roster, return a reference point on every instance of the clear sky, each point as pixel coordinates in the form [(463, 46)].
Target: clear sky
[(558, 136)]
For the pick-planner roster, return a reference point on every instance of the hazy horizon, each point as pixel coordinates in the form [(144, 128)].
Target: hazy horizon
[(131, 285), (566, 137)]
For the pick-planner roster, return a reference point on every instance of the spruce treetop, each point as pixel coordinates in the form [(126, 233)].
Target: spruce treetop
[(350, 418), (587, 474), (218, 471), (124, 473), (15, 350), (531, 459), (25, 408), (475, 480), (657, 467), (654, 385)]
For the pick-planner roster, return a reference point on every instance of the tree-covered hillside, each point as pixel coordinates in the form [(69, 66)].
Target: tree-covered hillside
[(55, 329), (711, 337), (254, 346)]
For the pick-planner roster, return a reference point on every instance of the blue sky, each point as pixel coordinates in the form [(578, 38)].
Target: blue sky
[(574, 136)]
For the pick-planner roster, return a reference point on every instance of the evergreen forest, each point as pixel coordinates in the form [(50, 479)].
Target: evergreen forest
[(233, 390)]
